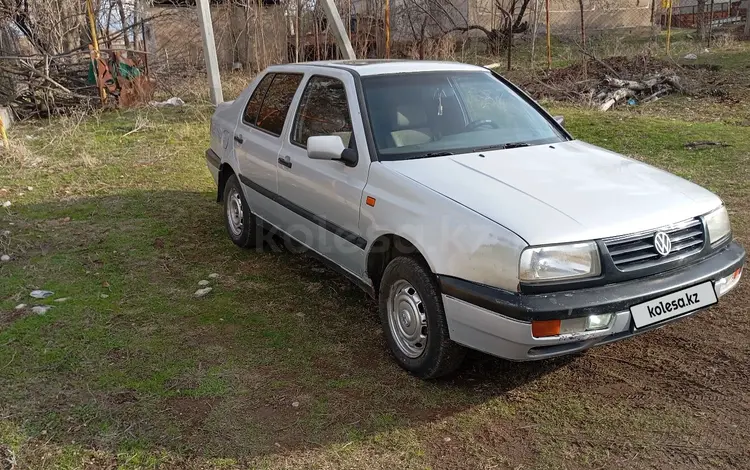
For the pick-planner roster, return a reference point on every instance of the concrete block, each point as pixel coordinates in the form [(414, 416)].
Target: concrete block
[(7, 116)]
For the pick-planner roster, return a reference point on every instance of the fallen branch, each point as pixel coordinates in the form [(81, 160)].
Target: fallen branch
[(615, 96)]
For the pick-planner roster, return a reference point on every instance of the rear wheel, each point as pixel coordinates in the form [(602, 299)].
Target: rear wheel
[(413, 319), (240, 222)]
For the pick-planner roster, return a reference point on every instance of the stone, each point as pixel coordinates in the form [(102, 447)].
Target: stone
[(62, 299), (5, 258), (203, 282), (41, 309), (691, 57), (20, 306), (7, 204), (203, 292), (213, 276)]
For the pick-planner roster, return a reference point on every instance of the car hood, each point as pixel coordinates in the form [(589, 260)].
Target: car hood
[(568, 191)]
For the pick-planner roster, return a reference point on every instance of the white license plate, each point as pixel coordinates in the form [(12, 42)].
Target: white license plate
[(674, 304)]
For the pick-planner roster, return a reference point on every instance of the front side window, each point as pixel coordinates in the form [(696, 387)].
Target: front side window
[(272, 113), (323, 110), (416, 115), (253, 104)]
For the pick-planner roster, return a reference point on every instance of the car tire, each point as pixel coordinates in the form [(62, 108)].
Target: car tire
[(409, 304), (240, 223)]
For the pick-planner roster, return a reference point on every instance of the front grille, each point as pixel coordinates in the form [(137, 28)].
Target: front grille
[(632, 252)]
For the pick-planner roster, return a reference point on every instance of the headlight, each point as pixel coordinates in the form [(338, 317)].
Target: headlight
[(718, 224), (557, 262)]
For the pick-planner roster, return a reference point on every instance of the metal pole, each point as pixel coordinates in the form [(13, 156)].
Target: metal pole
[(97, 54), (337, 27), (387, 29), (549, 37), (209, 52), (669, 25)]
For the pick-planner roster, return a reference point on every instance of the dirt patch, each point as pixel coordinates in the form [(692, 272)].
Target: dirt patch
[(192, 412), (8, 317)]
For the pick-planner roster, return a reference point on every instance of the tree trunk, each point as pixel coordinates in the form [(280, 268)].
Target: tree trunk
[(124, 24), (700, 20), (519, 17)]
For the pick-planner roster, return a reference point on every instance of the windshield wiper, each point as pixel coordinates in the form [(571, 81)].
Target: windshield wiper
[(430, 154), (510, 145)]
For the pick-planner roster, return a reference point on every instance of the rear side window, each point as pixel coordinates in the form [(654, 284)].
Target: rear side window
[(323, 110), (276, 103), (253, 104)]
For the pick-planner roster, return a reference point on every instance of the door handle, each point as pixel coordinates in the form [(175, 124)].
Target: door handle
[(238, 138), (286, 161)]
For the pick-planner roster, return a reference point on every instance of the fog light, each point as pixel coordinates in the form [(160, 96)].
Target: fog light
[(725, 284), (598, 322)]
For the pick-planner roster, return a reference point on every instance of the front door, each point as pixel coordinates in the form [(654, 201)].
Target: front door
[(325, 195)]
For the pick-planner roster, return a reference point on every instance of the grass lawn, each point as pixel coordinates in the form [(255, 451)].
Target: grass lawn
[(284, 364)]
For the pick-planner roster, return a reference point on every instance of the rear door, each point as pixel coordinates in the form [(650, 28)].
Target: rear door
[(257, 140), (324, 196)]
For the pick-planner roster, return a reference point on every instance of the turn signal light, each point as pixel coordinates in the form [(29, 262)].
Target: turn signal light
[(543, 328), (725, 284)]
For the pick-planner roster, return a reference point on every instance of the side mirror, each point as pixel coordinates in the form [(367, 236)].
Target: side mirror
[(560, 120), (330, 147)]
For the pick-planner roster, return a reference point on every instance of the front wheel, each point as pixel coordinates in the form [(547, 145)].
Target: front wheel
[(413, 318)]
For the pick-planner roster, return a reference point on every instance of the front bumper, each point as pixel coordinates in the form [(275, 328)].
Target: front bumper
[(498, 322)]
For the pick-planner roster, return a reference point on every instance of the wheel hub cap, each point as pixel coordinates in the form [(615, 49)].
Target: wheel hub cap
[(407, 319), (235, 212)]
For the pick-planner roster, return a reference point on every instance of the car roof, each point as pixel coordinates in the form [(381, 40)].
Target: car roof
[(383, 67)]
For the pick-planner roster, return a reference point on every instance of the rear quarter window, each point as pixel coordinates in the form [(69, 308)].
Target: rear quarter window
[(253, 104)]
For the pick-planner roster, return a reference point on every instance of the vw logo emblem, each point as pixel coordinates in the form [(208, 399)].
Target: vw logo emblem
[(662, 243)]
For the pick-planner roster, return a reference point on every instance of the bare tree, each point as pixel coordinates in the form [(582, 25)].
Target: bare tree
[(700, 20)]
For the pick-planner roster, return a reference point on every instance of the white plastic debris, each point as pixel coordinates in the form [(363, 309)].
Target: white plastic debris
[(213, 276), (62, 299), (203, 282), (30, 188), (41, 309), (691, 56), (41, 294), (203, 292), (173, 101), (103, 296), (7, 204), (295, 404), (5, 258), (20, 306)]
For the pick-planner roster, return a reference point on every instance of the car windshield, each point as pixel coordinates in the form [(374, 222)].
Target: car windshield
[(417, 115)]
